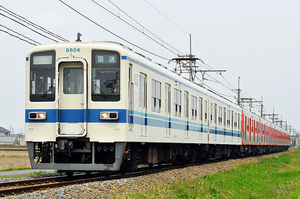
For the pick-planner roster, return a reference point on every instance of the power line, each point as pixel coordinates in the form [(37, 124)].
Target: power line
[(166, 17), (20, 35), (28, 27), (129, 24), (110, 31), (17, 37), (19, 17)]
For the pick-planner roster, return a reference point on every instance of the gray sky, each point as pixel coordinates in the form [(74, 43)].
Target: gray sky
[(256, 40)]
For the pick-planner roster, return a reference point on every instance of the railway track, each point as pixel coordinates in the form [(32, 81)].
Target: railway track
[(20, 187)]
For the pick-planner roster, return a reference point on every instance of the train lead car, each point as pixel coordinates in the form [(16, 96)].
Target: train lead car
[(99, 106)]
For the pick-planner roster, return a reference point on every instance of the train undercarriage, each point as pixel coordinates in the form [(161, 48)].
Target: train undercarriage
[(83, 155)]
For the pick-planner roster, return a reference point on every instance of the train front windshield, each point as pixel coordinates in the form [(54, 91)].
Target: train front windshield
[(42, 77), (105, 76)]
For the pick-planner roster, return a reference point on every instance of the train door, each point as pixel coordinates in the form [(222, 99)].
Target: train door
[(143, 103), (72, 102), (168, 109), (186, 113)]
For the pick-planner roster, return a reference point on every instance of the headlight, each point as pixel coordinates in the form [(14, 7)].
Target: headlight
[(37, 115), (109, 116)]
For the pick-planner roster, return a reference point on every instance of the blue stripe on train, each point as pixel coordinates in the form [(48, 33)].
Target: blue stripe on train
[(78, 116)]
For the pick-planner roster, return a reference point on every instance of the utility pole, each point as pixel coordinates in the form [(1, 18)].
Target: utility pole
[(239, 93), (187, 64), (272, 116), (250, 101)]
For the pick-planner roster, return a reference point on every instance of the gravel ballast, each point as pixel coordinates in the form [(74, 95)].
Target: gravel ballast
[(107, 189)]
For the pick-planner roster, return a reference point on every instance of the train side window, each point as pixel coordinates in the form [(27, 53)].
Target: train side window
[(225, 117), (186, 104), (228, 118), (220, 115), (42, 76), (238, 121), (205, 111), (211, 112), (177, 102), (194, 107), (232, 120), (248, 124), (156, 96), (167, 98), (215, 113), (235, 120), (201, 108)]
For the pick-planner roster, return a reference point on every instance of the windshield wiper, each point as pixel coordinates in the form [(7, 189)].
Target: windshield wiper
[(50, 89), (101, 92)]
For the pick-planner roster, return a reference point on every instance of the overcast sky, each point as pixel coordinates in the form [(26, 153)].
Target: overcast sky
[(257, 40)]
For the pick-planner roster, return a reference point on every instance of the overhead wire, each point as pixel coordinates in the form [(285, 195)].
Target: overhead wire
[(28, 27), (97, 24), (19, 17), (202, 49), (17, 37), (36, 42), (178, 52)]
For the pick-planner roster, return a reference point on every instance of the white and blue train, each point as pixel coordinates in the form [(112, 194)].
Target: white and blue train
[(99, 106)]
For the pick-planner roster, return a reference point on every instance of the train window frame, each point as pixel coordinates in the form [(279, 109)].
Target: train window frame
[(235, 120), (108, 64), (167, 98), (220, 112), (186, 104), (177, 102), (228, 118), (155, 96), (69, 80), (194, 107), (211, 113), (215, 113), (205, 111), (224, 113), (46, 71), (201, 108)]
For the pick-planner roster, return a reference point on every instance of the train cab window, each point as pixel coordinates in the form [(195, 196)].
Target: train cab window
[(42, 76), (105, 76)]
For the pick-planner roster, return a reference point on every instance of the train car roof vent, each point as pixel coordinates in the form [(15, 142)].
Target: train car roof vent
[(78, 37)]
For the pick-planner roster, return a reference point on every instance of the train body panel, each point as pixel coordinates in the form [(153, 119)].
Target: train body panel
[(99, 106)]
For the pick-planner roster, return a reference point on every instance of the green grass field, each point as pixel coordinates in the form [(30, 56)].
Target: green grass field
[(277, 177)]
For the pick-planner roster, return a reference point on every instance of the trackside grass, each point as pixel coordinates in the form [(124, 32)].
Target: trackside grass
[(277, 177)]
